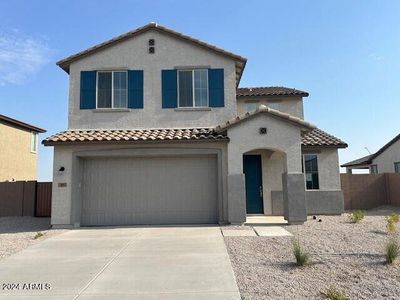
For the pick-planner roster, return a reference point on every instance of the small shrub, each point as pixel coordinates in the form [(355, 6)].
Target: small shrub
[(356, 216), (334, 294), (390, 226), (395, 217), (302, 258), (38, 235), (392, 251)]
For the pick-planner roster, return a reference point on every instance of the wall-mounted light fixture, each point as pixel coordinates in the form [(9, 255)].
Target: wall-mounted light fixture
[(61, 170)]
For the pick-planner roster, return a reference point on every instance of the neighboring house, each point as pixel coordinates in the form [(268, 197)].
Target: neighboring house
[(158, 133), (385, 160), (19, 149)]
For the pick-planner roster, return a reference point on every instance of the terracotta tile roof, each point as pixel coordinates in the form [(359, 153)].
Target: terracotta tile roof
[(315, 137), (319, 138), (114, 135), (267, 110), (240, 61), (269, 91)]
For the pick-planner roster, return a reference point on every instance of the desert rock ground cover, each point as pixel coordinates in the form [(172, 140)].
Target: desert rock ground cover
[(17, 233), (347, 256)]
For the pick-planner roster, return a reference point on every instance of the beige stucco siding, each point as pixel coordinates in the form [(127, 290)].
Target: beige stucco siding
[(328, 168), (290, 105), (386, 160), (281, 136), (16, 159), (133, 54)]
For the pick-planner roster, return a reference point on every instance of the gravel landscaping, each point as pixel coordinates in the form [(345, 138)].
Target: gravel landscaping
[(17, 233), (348, 256)]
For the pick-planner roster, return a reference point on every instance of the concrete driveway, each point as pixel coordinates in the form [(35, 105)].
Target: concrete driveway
[(122, 263)]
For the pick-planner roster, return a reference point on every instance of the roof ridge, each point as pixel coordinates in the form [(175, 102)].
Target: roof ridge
[(263, 109), (64, 63)]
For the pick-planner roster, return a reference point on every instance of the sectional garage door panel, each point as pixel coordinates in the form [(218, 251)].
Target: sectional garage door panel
[(157, 190)]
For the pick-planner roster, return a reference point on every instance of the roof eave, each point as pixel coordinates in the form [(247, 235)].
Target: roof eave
[(22, 124), (77, 142), (339, 146)]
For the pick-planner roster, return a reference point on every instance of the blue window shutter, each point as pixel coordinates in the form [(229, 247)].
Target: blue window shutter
[(169, 88), (88, 89), (216, 87), (135, 88)]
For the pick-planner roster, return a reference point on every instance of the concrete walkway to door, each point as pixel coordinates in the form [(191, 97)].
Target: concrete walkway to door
[(123, 263)]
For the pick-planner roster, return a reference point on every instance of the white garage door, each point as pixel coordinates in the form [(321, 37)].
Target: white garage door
[(158, 190)]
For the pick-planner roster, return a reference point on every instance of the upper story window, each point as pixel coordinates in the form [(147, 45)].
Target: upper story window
[(397, 167), (250, 106), (34, 139), (112, 89), (193, 88), (374, 169), (274, 105), (311, 171)]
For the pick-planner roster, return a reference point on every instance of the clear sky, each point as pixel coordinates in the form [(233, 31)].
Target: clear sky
[(344, 53)]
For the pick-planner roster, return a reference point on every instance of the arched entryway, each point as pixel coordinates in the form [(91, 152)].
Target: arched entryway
[(263, 169)]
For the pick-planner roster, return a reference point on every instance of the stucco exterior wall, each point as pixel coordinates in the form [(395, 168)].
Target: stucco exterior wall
[(66, 209), (16, 159), (328, 168), (290, 105), (133, 54), (386, 160), (281, 136)]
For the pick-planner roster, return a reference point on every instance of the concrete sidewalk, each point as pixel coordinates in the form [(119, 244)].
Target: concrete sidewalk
[(123, 263)]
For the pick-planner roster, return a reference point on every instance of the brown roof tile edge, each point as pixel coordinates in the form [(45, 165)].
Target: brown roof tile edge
[(125, 135), (265, 109), (269, 91), (21, 124), (318, 138)]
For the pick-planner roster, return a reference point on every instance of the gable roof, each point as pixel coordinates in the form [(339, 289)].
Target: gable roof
[(366, 160), (239, 60), (21, 124), (269, 91), (265, 110)]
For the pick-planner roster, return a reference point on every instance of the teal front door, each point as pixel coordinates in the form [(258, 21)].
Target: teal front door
[(253, 177)]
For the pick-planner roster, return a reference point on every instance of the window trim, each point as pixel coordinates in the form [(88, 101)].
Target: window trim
[(112, 89), (370, 169), (34, 136), (193, 88), (305, 172), (397, 170)]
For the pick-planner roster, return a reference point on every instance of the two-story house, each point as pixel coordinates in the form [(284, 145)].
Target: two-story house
[(19, 149), (160, 133)]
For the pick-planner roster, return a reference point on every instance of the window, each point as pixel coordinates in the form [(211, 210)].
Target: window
[(274, 105), (193, 88), (33, 142), (374, 169), (250, 106), (311, 171), (397, 167), (112, 89)]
